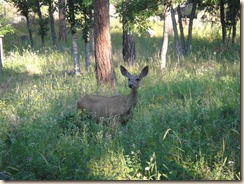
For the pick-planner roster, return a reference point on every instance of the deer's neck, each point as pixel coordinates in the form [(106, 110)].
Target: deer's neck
[(132, 99)]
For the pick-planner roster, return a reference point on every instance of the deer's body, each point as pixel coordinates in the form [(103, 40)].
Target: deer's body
[(116, 106)]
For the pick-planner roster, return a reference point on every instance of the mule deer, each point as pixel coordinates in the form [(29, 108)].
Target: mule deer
[(120, 107)]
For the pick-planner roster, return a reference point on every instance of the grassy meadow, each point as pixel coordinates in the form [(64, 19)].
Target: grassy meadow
[(186, 125)]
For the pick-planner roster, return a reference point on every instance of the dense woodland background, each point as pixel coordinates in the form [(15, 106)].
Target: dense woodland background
[(186, 125)]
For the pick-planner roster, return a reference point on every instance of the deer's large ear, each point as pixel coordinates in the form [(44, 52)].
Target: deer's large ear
[(144, 72), (124, 71)]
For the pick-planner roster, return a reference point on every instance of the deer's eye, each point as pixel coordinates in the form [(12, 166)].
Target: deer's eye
[(138, 79)]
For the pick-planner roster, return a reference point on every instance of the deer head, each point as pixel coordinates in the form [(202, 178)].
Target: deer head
[(134, 80)]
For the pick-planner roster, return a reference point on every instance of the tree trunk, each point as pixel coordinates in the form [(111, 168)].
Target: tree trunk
[(164, 47), (129, 48), (1, 54), (41, 24), (74, 39), (233, 39), (75, 54), (222, 20), (182, 36), (53, 33), (176, 38), (87, 54), (87, 12), (234, 11), (103, 49), (62, 21), (189, 38), (92, 40), (30, 32)]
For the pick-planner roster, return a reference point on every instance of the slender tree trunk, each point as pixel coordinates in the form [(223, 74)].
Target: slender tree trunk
[(74, 39), (182, 36), (235, 5), (92, 40), (222, 20), (87, 12), (87, 54), (41, 24), (164, 47), (62, 21), (233, 39), (103, 49), (53, 33), (75, 54), (1, 54), (30, 32), (189, 38), (129, 48), (176, 37)]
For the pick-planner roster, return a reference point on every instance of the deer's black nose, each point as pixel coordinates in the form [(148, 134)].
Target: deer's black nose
[(130, 85)]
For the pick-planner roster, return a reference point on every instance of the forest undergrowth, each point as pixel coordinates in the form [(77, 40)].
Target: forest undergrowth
[(186, 125)]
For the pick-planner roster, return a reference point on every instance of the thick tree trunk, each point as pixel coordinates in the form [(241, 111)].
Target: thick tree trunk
[(129, 48), (103, 49), (189, 38), (62, 21), (53, 33), (176, 37), (164, 47), (222, 20)]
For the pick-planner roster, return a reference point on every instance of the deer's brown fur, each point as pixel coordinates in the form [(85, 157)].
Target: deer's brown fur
[(120, 107)]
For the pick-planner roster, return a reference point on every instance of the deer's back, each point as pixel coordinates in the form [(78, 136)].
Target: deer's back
[(104, 106)]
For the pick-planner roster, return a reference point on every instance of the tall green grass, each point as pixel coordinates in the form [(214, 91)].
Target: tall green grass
[(186, 125)]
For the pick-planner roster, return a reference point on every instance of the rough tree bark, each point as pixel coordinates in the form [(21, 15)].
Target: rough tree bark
[(103, 49)]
